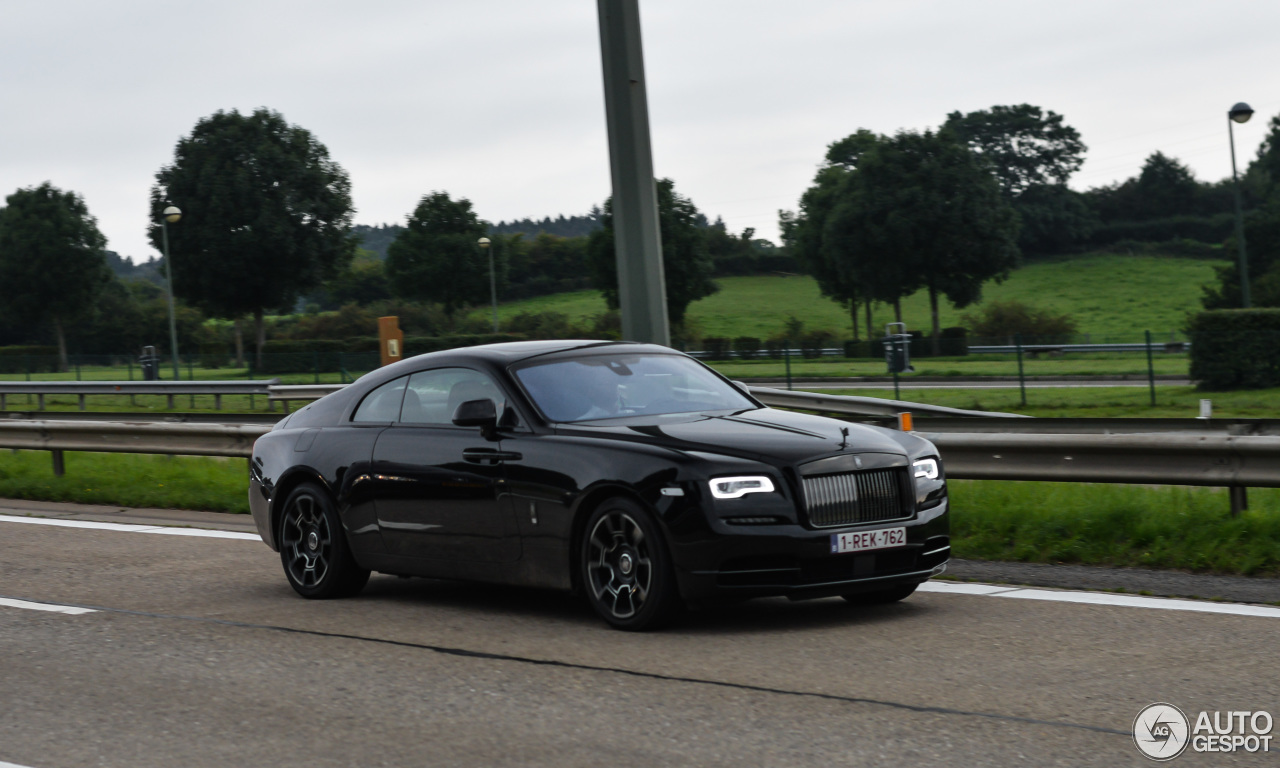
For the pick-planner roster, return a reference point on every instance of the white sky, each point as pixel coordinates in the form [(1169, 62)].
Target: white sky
[(501, 101)]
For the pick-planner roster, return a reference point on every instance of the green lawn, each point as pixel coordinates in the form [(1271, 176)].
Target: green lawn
[(1110, 296), (1083, 364)]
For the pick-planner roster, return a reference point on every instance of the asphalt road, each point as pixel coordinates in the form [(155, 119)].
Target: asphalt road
[(198, 654)]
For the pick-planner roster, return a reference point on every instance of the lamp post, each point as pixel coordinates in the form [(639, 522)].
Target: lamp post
[(1240, 113), (493, 283), (170, 215)]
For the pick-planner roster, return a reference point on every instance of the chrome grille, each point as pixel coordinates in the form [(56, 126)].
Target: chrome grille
[(855, 497)]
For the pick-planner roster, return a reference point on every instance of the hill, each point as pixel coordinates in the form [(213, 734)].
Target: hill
[(1111, 296)]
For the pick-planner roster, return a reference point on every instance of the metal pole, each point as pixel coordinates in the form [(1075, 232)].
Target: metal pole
[(168, 278), (1235, 186), (786, 355), (642, 294), (1151, 371), (1022, 381), (493, 289)]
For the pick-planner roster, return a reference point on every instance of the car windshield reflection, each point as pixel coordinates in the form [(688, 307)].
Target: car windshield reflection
[(591, 388)]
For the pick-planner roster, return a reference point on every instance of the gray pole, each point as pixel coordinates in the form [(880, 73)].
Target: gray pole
[(168, 280), (642, 293), (1235, 185)]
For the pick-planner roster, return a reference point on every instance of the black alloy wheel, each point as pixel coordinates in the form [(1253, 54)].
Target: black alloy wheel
[(881, 596), (314, 549), (626, 571)]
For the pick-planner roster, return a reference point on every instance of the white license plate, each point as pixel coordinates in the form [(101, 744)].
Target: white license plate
[(863, 541)]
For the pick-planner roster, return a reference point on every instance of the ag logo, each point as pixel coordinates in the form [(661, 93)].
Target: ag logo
[(1160, 731)]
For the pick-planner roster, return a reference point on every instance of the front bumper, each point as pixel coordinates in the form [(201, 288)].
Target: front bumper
[(260, 506), (796, 562)]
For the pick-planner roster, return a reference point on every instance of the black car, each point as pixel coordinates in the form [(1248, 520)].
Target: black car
[(630, 472)]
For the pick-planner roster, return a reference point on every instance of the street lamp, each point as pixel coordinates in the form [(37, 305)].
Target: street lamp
[(170, 215), (493, 283), (1240, 113)]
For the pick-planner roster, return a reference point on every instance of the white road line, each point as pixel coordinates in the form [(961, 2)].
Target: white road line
[(9, 602), (11, 765), (130, 528), (1101, 598)]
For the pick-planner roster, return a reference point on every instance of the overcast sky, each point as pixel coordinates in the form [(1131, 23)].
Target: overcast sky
[(501, 101)]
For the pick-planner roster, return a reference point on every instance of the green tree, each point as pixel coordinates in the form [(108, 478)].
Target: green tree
[(436, 258), (362, 282), (266, 215), (1026, 145), (51, 259), (686, 264), (921, 210)]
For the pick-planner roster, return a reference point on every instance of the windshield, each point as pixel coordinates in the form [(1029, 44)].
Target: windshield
[(619, 386)]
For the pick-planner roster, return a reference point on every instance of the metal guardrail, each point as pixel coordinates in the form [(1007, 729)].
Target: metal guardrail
[(284, 393), (231, 440), (169, 389), (862, 406)]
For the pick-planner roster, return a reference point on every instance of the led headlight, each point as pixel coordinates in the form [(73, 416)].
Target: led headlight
[(737, 487), (926, 468)]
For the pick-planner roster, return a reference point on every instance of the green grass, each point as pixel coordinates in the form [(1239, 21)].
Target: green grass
[(1124, 525), (128, 480), (1095, 402), (1109, 295), (1161, 527)]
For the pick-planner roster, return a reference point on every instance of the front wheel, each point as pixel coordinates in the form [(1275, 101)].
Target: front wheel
[(626, 570), (313, 548), (881, 596)]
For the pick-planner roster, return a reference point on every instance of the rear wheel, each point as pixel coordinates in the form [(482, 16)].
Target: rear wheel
[(881, 596), (313, 548), (626, 570)]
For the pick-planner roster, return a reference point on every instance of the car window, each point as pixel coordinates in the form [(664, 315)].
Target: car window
[(433, 396), (383, 403), (619, 386)]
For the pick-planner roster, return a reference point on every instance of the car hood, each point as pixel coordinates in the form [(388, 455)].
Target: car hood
[(764, 434)]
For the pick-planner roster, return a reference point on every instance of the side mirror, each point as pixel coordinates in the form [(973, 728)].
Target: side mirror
[(477, 413), (742, 386)]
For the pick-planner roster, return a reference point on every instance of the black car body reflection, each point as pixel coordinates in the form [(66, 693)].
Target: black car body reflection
[(627, 471)]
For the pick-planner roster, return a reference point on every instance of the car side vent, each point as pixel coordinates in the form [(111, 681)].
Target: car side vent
[(852, 498)]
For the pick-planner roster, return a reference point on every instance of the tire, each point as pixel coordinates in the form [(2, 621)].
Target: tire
[(313, 547), (626, 569), (881, 596)]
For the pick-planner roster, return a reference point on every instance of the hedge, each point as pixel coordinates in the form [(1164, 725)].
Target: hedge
[(333, 355), (28, 359), (1235, 348)]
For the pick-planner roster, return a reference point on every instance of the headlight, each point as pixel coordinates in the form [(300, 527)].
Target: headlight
[(926, 468), (737, 487)]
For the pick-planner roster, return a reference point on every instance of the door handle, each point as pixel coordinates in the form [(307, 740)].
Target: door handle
[(489, 455)]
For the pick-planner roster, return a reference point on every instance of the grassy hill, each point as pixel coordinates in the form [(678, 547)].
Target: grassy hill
[(1109, 295)]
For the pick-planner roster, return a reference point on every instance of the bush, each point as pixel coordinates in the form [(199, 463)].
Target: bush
[(813, 342), (1235, 348), (28, 359), (954, 342), (775, 345), (747, 347), (1206, 229), (214, 355), (1007, 319), (716, 347)]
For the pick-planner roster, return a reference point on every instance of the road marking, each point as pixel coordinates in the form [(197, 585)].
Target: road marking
[(130, 528), (50, 607), (11, 765), (1101, 598)]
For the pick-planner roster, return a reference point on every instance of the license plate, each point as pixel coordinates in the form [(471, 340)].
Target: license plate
[(863, 541)]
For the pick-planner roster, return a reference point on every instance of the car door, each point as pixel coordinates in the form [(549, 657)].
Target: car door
[(439, 488)]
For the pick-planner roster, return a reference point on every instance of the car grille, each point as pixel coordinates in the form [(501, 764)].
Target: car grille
[(851, 498)]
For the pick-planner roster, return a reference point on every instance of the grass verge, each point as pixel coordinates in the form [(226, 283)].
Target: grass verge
[(1125, 525), (1161, 527), (128, 480)]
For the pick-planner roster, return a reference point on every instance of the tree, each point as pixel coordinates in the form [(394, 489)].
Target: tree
[(921, 210), (436, 257), (51, 258), (266, 215), (1026, 145), (686, 264)]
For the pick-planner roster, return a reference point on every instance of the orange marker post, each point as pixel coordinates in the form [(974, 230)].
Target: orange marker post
[(390, 340), (904, 422)]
